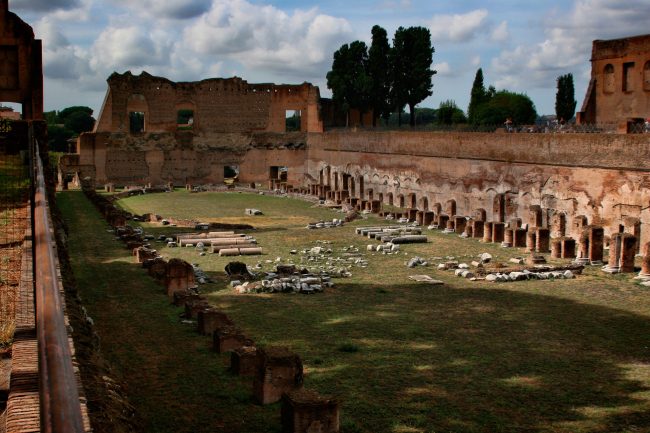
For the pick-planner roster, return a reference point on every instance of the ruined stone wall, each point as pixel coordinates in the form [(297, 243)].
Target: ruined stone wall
[(605, 177), (620, 81), (219, 105)]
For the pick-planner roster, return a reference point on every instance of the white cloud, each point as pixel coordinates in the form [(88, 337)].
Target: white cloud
[(130, 47), (567, 43), (395, 4), (45, 5), (475, 61), (267, 37), (458, 27), (501, 33), (61, 60), (174, 9), (443, 69)]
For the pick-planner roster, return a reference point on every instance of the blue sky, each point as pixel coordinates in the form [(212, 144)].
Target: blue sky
[(521, 46)]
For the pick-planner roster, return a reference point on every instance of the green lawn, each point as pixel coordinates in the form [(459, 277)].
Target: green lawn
[(544, 356)]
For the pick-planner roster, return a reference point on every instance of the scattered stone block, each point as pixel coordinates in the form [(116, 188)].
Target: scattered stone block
[(244, 361), (306, 411), (280, 371), (209, 320), (229, 338)]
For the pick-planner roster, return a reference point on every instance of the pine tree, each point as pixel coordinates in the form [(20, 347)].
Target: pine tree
[(379, 72), (478, 96), (565, 103)]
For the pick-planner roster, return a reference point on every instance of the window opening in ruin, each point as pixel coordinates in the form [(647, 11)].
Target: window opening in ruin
[(9, 67), (9, 111), (608, 85), (136, 122), (278, 172), (621, 228), (628, 76), (292, 120), (646, 76), (230, 172), (185, 119)]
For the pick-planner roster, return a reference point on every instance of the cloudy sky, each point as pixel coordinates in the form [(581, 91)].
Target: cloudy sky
[(521, 46)]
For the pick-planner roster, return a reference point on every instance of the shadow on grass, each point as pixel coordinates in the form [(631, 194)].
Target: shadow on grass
[(469, 360)]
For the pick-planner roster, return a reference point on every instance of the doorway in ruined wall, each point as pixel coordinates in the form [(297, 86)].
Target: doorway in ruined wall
[(353, 189), (336, 181), (380, 197), (412, 200), (361, 190), (450, 207), (558, 225), (389, 196), (292, 120), (328, 176), (278, 173), (371, 194), (646, 76), (320, 177), (346, 181), (401, 202)]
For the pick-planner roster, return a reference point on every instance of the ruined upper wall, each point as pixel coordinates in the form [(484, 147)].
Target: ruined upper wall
[(619, 89), (21, 71), (219, 105)]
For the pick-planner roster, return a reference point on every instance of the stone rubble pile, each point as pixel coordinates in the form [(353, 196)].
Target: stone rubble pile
[(286, 279), (325, 224), (477, 271), (393, 234)]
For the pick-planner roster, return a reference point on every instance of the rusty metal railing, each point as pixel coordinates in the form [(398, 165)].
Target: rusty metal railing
[(59, 396)]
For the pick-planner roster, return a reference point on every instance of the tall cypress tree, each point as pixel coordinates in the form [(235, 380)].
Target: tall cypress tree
[(478, 96), (565, 103), (379, 72)]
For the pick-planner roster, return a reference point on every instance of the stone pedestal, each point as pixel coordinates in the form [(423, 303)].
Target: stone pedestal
[(306, 411), (193, 306), (487, 231), (244, 361), (477, 229), (519, 238), (179, 276), (141, 254), (497, 232), (210, 320), (229, 338), (280, 371)]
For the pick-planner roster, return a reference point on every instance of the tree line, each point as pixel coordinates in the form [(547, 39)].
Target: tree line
[(66, 124), (384, 79)]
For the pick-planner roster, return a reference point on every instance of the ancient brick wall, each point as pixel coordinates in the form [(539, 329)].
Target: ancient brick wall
[(619, 89), (21, 71), (605, 177), (218, 105)]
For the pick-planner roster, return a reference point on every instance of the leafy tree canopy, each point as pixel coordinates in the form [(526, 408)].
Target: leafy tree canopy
[(448, 113), (503, 105)]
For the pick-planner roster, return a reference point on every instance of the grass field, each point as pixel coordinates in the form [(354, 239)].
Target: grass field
[(538, 356)]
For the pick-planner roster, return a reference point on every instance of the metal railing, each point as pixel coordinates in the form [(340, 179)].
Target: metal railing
[(59, 396)]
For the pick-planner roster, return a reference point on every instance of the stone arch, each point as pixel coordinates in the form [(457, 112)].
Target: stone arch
[(412, 201), (450, 207), (423, 203), (646, 76), (400, 201), (191, 122), (480, 214), (608, 78)]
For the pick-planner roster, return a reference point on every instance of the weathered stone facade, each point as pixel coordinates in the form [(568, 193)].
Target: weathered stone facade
[(21, 71), (619, 89)]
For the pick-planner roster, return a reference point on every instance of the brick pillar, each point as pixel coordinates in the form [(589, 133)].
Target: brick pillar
[(556, 248), (497, 232), (442, 221), (543, 240), (508, 235), (419, 217), (596, 240), (280, 371), (514, 223), (531, 241), (519, 238), (628, 252), (645, 262), (305, 411), (487, 231), (459, 223), (477, 229)]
